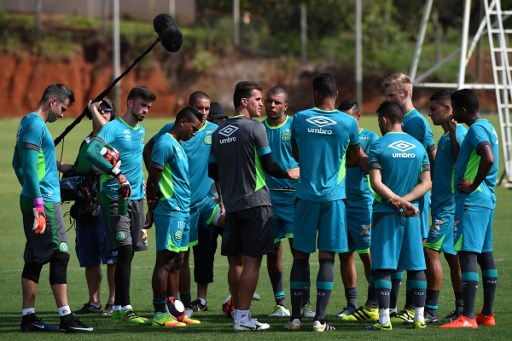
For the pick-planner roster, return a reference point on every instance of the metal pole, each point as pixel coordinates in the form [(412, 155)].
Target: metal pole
[(359, 55), (421, 38), (117, 53), (236, 23), (303, 32), (172, 7), (464, 44)]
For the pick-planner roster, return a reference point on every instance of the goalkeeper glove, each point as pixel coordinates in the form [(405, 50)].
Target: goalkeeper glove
[(125, 189), (39, 216)]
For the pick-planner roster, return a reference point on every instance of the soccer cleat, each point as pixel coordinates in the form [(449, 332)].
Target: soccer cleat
[(450, 317), (404, 315), (461, 322), (187, 320), (89, 308), (117, 315), (228, 307), (419, 324), (431, 316), (322, 327), (256, 297), (70, 323), (129, 316), (292, 325), (307, 310), (485, 320), (251, 325), (198, 306), (346, 311), (108, 309), (380, 327), (363, 313), (31, 323), (165, 320), (280, 311)]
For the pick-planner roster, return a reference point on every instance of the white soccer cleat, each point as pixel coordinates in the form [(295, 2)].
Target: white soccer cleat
[(292, 325), (251, 325), (280, 311)]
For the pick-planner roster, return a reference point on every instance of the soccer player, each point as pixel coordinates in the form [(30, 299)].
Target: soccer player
[(440, 237), (398, 88), (204, 209), (476, 170), (240, 153), (359, 217), (90, 245), (122, 193), (282, 194), (35, 165), (325, 140), (168, 197), (399, 175)]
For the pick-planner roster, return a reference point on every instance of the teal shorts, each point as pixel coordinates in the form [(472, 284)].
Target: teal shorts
[(397, 242), (440, 235), (284, 211), (172, 232), (201, 215), (320, 225), (473, 229), (424, 206), (359, 222)]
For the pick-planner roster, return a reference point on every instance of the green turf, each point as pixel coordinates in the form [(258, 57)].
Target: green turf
[(214, 326)]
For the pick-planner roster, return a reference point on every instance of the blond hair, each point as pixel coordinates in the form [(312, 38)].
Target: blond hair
[(400, 80)]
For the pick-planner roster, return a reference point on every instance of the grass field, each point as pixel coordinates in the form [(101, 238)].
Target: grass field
[(214, 324)]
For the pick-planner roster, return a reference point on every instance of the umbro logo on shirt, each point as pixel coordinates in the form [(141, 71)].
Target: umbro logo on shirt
[(228, 131), (402, 147), (321, 122)]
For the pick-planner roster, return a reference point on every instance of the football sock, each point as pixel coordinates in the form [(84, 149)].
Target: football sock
[(123, 274), (459, 302), (383, 316), (276, 279), (64, 311), (489, 279), (396, 281), (306, 295), (383, 286), (186, 299), (160, 304), (351, 296), (468, 261), (371, 301), (27, 311), (324, 284), (298, 281), (244, 315), (417, 282), (431, 303)]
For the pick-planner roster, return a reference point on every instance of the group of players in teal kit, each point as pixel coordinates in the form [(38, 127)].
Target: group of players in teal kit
[(357, 193)]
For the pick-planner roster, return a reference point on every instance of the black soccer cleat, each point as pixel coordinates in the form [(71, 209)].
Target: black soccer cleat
[(31, 323), (70, 323)]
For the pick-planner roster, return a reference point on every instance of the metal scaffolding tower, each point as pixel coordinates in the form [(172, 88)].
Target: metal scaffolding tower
[(497, 37)]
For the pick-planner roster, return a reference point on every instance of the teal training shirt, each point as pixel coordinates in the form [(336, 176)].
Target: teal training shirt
[(417, 126), (322, 139), (480, 133)]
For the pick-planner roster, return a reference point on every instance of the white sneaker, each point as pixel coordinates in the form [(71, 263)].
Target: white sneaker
[(292, 325), (307, 310), (251, 325), (322, 327), (280, 311)]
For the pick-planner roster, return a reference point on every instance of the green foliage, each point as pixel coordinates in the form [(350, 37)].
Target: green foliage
[(203, 60)]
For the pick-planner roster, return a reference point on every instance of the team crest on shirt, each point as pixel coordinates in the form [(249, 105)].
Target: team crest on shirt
[(321, 122), (120, 236), (208, 139), (178, 235), (63, 247), (402, 147), (286, 137), (227, 131)]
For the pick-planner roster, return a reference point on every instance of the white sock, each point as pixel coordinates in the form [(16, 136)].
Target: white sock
[(419, 314), (65, 310), (126, 307), (27, 311), (202, 300), (116, 307), (244, 316), (383, 316)]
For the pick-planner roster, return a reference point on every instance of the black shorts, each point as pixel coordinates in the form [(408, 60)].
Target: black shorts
[(248, 232)]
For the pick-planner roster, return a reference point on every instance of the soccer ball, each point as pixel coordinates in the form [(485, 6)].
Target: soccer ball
[(228, 307), (175, 307), (110, 154)]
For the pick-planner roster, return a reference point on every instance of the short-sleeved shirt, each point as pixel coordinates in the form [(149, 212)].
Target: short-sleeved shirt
[(322, 139), (34, 134), (359, 192), (198, 151), (442, 201), (401, 159), (416, 125), (279, 139), (480, 133), (237, 145), (129, 142), (168, 156)]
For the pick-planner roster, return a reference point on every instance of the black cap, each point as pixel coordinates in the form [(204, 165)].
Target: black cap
[(216, 111), (109, 104)]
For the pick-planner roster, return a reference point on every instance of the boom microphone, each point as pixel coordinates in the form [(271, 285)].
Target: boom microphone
[(169, 34)]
